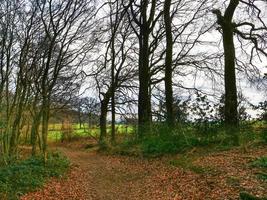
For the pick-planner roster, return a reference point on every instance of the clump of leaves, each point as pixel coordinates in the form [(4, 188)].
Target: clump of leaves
[(247, 196), (25, 176), (264, 135), (158, 146), (262, 164)]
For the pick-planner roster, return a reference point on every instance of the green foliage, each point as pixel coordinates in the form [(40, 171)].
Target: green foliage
[(163, 140), (27, 175), (260, 162), (158, 145), (247, 196), (184, 137), (264, 135)]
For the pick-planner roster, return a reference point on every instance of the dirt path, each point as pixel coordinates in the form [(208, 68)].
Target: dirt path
[(96, 176), (100, 177), (106, 178), (116, 178)]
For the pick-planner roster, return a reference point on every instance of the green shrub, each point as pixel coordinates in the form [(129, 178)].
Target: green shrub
[(163, 140), (260, 162), (264, 135), (158, 146), (247, 196), (27, 175)]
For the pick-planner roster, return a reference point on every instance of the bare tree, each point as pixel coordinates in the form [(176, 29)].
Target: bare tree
[(64, 25), (229, 29)]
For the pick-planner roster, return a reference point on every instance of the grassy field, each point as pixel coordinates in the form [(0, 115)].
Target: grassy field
[(55, 131)]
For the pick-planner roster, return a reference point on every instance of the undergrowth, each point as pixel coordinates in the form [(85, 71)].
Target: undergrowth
[(28, 175), (163, 140), (261, 163)]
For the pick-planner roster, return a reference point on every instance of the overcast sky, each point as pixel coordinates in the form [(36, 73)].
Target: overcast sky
[(215, 86)]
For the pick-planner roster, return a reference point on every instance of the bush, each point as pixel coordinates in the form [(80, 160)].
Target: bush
[(264, 135), (247, 196), (27, 175), (158, 146), (163, 140), (262, 164)]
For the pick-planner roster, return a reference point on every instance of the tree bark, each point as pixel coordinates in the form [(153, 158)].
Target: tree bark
[(34, 131), (168, 64), (103, 118), (113, 86), (144, 104), (45, 123), (231, 114)]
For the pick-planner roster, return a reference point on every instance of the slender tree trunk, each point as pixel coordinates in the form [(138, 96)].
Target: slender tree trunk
[(113, 54), (89, 121), (80, 115), (34, 131), (16, 124), (45, 123), (113, 120), (168, 64)]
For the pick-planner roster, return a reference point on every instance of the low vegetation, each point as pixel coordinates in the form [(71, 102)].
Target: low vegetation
[(261, 164), (186, 137), (28, 175)]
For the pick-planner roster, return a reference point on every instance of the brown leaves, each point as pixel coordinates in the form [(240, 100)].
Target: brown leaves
[(114, 177), (69, 188)]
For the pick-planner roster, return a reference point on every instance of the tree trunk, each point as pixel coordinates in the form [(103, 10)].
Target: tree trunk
[(45, 123), (168, 64), (231, 115), (80, 116), (113, 130), (16, 124), (34, 131), (144, 107), (103, 118), (230, 108), (113, 86)]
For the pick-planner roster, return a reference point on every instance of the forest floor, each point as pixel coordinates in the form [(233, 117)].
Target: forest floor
[(196, 175)]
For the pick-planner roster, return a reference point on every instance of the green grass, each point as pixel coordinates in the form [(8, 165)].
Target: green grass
[(28, 175), (55, 133)]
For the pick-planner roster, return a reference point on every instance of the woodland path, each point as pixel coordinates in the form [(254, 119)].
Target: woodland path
[(95, 176)]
